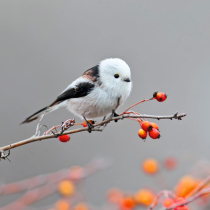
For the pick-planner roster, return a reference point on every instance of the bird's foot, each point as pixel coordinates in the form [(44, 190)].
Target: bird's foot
[(114, 114), (90, 126)]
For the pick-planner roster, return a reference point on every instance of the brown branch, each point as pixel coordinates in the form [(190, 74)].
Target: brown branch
[(96, 128)]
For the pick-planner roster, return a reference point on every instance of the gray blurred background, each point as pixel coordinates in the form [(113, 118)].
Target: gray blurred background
[(44, 45)]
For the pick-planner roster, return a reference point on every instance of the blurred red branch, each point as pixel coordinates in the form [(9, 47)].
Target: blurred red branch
[(165, 193), (189, 200), (198, 192), (50, 180)]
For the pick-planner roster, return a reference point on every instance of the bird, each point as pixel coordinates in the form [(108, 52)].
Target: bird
[(98, 92)]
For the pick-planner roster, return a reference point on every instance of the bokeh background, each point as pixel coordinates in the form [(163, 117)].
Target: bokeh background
[(44, 45)]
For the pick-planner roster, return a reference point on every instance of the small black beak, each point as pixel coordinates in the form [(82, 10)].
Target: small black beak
[(127, 80)]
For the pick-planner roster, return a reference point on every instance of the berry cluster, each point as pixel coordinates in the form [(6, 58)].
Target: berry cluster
[(149, 127)]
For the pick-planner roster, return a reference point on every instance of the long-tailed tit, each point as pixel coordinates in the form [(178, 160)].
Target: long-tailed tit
[(98, 92)]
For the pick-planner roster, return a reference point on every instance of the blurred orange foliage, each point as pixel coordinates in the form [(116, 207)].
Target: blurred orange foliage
[(81, 206), (150, 166), (66, 188), (62, 205), (144, 196), (185, 185)]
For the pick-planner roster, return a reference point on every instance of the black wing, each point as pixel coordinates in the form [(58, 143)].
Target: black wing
[(80, 90)]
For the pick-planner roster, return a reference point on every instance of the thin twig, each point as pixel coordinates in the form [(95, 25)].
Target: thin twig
[(137, 104)]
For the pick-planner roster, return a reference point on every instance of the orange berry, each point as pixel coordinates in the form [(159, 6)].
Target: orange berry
[(64, 138), (154, 133), (168, 202), (66, 188), (154, 125), (150, 166), (81, 206), (142, 134), (114, 195), (62, 205), (146, 125), (127, 203), (170, 163), (144, 196)]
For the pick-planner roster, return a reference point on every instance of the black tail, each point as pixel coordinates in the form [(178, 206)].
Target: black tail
[(60, 101), (34, 116)]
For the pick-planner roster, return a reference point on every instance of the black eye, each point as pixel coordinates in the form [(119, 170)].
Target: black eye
[(116, 75)]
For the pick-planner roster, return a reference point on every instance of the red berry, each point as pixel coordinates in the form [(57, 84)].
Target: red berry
[(84, 124), (154, 125), (160, 96), (146, 125), (64, 138), (154, 133), (168, 202), (142, 134)]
